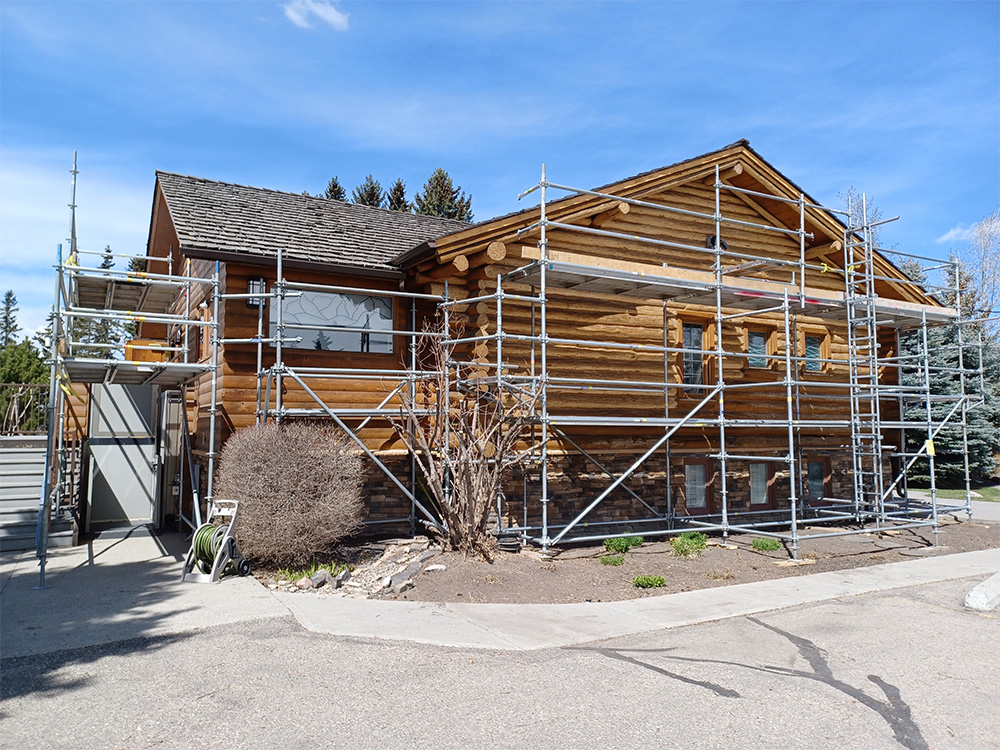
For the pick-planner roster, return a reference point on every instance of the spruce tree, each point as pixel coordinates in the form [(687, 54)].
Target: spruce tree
[(441, 198), (396, 197), (983, 415), (98, 330), (368, 193), (335, 191), (8, 322)]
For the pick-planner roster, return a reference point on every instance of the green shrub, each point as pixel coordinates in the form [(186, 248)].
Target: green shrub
[(614, 560), (689, 543), (622, 544), (765, 544), (649, 582)]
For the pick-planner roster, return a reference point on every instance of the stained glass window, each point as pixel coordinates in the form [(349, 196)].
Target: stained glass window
[(814, 353), (757, 345), (694, 363), (366, 314)]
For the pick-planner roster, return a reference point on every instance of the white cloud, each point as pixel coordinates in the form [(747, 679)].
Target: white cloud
[(957, 234), (302, 12)]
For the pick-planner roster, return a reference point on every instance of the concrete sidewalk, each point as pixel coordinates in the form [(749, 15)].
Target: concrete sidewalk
[(121, 589), (116, 589)]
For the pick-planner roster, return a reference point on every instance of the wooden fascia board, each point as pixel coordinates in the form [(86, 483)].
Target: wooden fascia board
[(228, 256), (153, 214), (834, 229), (575, 207)]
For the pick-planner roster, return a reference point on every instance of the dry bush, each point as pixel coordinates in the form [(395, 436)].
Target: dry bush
[(465, 440), (299, 487)]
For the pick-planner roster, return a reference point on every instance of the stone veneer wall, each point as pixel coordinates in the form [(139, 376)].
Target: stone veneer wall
[(574, 482)]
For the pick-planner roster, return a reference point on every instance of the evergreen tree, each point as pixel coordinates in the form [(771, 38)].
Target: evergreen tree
[(22, 363), (983, 416), (396, 197), (441, 198), (368, 193), (98, 330), (8, 322), (335, 191)]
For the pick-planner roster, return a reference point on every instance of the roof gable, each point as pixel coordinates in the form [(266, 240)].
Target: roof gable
[(738, 165), (211, 216)]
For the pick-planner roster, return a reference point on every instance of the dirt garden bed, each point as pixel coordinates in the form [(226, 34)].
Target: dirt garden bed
[(415, 570), (576, 574)]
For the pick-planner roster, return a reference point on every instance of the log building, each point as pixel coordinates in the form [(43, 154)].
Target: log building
[(708, 346)]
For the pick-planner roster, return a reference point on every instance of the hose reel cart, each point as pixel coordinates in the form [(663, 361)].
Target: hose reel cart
[(214, 547)]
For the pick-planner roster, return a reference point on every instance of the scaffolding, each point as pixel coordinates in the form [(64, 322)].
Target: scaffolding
[(879, 469), (874, 404), (873, 504), (90, 291)]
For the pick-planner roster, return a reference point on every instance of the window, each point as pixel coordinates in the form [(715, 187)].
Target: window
[(814, 354), (697, 486), (814, 349), (256, 286), (757, 349), (761, 485), (314, 313), (694, 361), (818, 479)]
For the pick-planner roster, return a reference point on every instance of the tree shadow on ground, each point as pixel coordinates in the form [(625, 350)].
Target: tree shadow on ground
[(112, 602), (892, 708)]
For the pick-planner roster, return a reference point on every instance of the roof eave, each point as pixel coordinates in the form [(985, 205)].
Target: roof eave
[(229, 256), (415, 254)]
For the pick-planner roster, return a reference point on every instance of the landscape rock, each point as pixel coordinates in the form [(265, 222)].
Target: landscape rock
[(434, 568), (304, 583), (321, 577)]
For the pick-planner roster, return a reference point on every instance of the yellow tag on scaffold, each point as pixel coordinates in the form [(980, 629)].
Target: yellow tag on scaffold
[(930, 447)]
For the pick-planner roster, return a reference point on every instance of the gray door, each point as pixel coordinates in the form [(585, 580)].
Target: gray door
[(122, 486)]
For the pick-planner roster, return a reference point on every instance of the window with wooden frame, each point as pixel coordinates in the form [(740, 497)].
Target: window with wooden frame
[(819, 479), (762, 479), (315, 316), (698, 475), (761, 345), (814, 349), (696, 336)]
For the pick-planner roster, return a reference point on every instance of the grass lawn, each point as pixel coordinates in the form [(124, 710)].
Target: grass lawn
[(990, 492)]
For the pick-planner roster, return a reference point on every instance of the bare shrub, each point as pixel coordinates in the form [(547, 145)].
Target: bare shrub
[(299, 487), (464, 434)]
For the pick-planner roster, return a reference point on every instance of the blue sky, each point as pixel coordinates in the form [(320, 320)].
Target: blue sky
[(899, 99)]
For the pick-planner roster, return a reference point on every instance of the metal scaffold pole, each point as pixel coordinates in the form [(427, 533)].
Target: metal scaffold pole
[(544, 349), (720, 378)]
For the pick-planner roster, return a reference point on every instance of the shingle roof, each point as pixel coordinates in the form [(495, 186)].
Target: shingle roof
[(219, 216)]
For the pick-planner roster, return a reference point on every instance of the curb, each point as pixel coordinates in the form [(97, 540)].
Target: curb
[(528, 627)]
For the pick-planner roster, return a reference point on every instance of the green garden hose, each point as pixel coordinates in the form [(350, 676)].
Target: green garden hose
[(207, 542)]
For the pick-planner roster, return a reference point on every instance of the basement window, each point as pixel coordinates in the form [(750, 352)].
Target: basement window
[(818, 477), (697, 485), (761, 485), (337, 322)]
